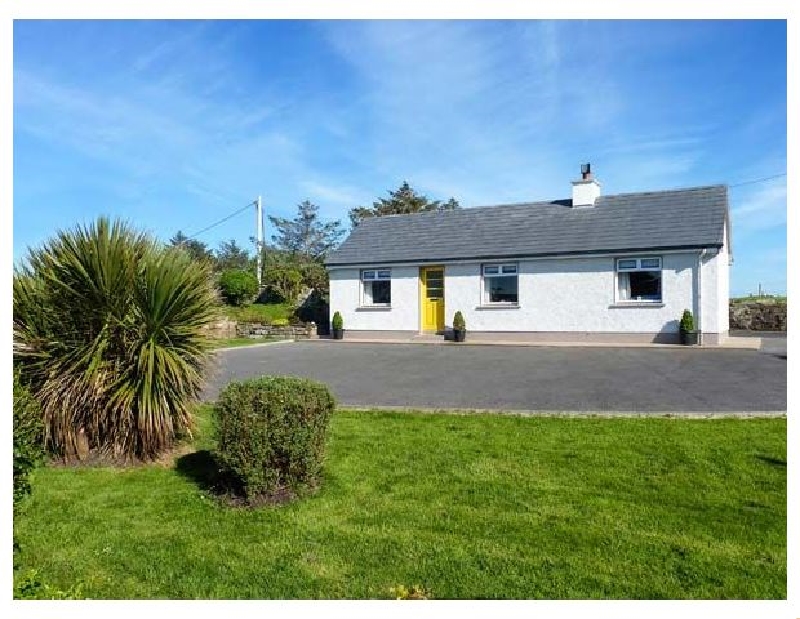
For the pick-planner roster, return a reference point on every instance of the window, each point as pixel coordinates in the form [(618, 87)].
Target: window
[(639, 279), (377, 286), (500, 283)]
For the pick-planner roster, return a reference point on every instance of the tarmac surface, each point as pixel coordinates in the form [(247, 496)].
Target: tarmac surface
[(576, 379)]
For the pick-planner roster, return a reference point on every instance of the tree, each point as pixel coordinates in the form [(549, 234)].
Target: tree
[(196, 249), (306, 234), (283, 273), (112, 343), (231, 256), (401, 202), (238, 287)]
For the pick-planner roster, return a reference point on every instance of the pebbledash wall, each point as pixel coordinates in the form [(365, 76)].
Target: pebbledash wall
[(560, 299)]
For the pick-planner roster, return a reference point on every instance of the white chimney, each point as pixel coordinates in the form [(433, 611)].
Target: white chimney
[(586, 190)]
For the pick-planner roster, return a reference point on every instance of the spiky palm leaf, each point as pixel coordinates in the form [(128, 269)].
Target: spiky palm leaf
[(109, 327)]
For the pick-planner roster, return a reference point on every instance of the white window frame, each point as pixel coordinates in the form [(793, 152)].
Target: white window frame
[(500, 266), (374, 275), (623, 265)]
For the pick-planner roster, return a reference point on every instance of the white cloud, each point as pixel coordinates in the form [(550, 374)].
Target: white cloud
[(758, 209)]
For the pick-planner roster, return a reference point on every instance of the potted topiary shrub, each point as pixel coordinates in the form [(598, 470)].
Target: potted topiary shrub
[(459, 327), (337, 323), (689, 336)]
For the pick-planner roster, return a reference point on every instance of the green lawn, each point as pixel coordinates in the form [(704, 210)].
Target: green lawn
[(472, 506), (236, 342), (260, 312)]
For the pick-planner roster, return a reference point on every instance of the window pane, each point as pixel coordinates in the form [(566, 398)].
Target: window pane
[(645, 285), (368, 275), (384, 274), (651, 263), (434, 293), (626, 264), (509, 268), (434, 282), (381, 292), (487, 270), (501, 289), (624, 286)]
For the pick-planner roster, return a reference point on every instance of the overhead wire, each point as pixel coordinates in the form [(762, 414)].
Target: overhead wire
[(221, 221), (758, 180)]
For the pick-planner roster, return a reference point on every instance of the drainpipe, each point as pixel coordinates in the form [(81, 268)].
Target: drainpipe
[(700, 255)]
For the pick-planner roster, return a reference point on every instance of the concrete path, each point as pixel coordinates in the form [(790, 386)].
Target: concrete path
[(524, 378)]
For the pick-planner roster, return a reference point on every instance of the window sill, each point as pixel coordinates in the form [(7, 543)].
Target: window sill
[(374, 308), (637, 304), (498, 306)]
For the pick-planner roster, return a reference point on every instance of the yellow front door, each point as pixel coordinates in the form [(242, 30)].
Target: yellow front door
[(432, 293)]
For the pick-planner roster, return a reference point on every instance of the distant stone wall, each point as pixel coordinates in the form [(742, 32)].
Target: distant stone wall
[(259, 330), (221, 329), (757, 316)]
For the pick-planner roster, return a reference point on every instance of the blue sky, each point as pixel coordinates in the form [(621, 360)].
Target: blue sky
[(174, 125)]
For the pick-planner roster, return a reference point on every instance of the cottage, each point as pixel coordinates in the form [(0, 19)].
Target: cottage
[(618, 268)]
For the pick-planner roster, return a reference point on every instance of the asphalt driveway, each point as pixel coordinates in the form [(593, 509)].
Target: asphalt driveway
[(523, 378)]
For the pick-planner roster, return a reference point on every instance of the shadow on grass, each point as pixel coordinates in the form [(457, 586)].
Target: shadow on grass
[(202, 468), (778, 462)]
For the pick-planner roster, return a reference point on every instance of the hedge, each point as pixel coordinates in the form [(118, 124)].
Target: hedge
[(28, 439), (271, 434)]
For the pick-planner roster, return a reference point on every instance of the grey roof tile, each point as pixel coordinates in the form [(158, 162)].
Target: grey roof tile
[(678, 218)]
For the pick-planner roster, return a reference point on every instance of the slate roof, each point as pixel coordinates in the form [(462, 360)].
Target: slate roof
[(655, 220)]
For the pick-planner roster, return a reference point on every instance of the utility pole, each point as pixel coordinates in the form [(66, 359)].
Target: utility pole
[(259, 240)]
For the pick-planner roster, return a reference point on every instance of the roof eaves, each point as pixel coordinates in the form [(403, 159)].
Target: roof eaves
[(582, 252)]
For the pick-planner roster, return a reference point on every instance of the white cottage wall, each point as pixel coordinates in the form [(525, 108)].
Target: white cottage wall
[(571, 295), (345, 297)]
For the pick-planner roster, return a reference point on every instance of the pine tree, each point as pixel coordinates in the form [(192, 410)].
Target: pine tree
[(196, 249), (231, 256), (400, 202), (306, 234)]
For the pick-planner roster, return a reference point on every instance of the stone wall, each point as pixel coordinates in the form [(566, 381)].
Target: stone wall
[(222, 329), (259, 330), (754, 316)]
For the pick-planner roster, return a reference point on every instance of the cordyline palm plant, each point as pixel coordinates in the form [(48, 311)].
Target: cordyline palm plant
[(108, 330)]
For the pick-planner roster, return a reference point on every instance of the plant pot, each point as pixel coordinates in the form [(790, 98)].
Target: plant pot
[(459, 335), (690, 338), (338, 334)]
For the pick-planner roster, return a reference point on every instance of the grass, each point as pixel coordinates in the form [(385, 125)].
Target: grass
[(236, 342), (474, 506), (260, 312), (771, 300)]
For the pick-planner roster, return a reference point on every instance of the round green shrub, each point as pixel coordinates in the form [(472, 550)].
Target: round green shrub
[(337, 322), (238, 287), (458, 321), (271, 434), (28, 438)]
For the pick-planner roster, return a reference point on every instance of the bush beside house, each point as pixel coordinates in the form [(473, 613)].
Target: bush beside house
[(337, 326), (459, 327)]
